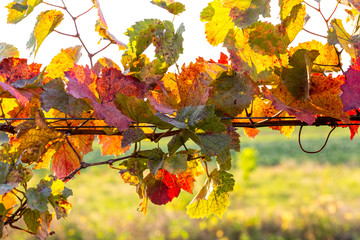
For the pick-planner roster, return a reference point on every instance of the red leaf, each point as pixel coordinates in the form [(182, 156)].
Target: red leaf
[(13, 69), (186, 181), (223, 58), (14, 92), (82, 84), (162, 188), (112, 81), (65, 161), (302, 115), (351, 87)]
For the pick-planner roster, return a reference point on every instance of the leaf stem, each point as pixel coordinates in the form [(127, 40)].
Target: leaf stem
[(314, 33), (65, 34), (86, 165), (101, 49), (53, 5), (84, 12)]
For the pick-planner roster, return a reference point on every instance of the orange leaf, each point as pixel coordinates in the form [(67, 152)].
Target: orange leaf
[(65, 161), (111, 145)]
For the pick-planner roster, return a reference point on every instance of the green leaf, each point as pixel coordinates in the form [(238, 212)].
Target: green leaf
[(213, 198), (244, 17), (338, 34), (55, 96), (38, 198), (171, 6), (7, 50), (32, 219), (168, 44), (9, 177), (232, 92), (131, 135), (177, 141), (286, 6), (139, 110), (46, 23), (142, 33), (265, 38), (202, 117), (215, 144), (18, 10), (176, 163), (171, 121), (207, 13), (297, 76), (156, 159)]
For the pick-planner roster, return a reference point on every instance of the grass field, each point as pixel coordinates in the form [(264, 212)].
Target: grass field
[(290, 195)]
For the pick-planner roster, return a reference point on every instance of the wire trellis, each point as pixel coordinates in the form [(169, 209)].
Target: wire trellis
[(64, 125)]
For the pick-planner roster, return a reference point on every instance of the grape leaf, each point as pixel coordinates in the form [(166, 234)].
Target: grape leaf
[(245, 59), (55, 96), (102, 63), (186, 180), (63, 61), (32, 219), (112, 81), (38, 198), (176, 163), (156, 159), (214, 144), (351, 87), (218, 22), (338, 34), (15, 93), (213, 198), (102, 28), (351, 3), (171, 6), (46, 23), (300, 114), (82, 84), (297, 76), (167, 43), (112, 145), (18, 10), (7, 182), (202, 117), (327, 55), (15, 69), (324, 99), (132, 135), (286, 6), (65, 160), (161, 188), (139, 110), (33, 142), (44, 230), (266, 39), (243, 15), (7, 51), (232, 92), (294, 23)]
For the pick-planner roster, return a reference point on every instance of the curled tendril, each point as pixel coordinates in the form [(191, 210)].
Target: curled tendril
[(312, 152)]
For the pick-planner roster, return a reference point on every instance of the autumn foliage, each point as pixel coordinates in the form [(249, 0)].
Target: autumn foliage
[(53, 114)]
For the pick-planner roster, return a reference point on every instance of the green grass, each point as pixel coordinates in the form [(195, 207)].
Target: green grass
[(291, 195)]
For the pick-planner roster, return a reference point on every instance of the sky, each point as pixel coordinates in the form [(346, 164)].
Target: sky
[(121, 14)]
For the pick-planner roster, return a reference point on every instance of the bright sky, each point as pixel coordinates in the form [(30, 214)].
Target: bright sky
[(121, 14)]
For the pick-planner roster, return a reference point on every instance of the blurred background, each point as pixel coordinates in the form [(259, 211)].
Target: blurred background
[(280, 193)]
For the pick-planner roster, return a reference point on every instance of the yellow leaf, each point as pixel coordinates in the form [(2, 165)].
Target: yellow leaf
[(33, 142), (63, 62), (217, 28), (327, 55), (46, 23), (286, 6)]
